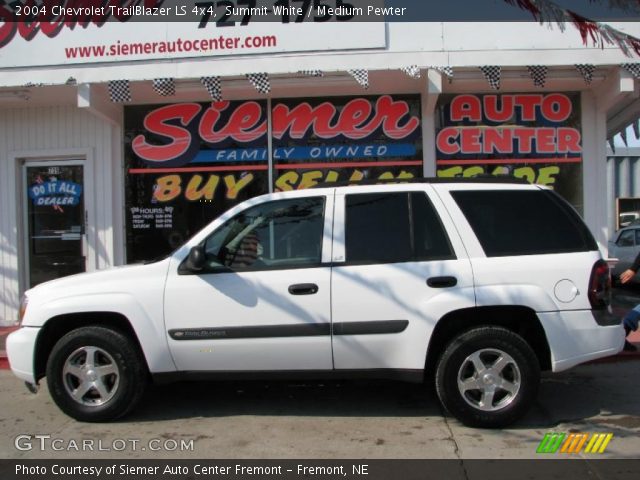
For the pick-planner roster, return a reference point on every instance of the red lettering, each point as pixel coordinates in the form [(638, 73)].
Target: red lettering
[(354, 120), (470, 140), (491, 107), (556, 107), (527, 104), (243, 125), (545, 140), (466, 107), (446, 141), (354, 114), (393, 112), (568, 140), (155, 123), (498, 140), (524, 136)]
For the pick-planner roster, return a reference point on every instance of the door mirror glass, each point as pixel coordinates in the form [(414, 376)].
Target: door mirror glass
[(196, 259)]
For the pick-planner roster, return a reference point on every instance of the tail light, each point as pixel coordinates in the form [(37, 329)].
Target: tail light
[(600, 285), (23, 308)]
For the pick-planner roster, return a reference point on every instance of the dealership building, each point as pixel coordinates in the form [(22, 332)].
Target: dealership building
[(119, 140)]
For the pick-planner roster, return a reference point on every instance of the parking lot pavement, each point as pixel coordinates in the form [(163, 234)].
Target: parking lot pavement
[(332, 420)]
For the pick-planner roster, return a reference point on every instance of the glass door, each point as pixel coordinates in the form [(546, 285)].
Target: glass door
[(55, 220)]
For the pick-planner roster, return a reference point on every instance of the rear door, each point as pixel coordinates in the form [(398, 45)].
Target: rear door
[(398, 268)]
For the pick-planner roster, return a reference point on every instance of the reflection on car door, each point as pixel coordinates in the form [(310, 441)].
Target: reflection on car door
[(395, 267), (263, 301)]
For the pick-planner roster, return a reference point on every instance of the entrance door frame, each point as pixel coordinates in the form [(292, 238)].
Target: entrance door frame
[(20, 160)]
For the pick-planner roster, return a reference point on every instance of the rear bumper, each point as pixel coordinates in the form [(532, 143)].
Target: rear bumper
[(575, 337), (20, 349)]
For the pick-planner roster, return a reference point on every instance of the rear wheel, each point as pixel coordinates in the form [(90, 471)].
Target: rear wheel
[(488, 377), (96, 374)]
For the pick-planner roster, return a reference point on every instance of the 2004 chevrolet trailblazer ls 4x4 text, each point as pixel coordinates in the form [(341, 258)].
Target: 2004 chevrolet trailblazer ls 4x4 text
[(480, 284)]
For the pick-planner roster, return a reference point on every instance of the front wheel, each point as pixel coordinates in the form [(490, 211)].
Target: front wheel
[(96, 374), (488, 377)]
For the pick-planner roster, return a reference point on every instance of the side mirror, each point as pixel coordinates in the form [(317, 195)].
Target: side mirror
[(196, 259)]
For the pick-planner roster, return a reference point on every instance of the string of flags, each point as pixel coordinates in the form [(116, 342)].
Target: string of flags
[(120, 91)]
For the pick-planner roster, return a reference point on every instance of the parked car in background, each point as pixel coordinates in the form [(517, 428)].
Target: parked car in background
[(625, 219), (625, 246)]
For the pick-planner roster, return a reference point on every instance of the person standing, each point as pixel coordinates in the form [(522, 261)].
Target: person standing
[(630, 320)]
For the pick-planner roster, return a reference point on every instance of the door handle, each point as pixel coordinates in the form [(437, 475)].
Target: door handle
[(442, 282), (303, 289)]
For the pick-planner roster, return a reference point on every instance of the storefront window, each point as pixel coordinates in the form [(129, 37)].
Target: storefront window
[(344, 139), (532, 136), (186, 164)]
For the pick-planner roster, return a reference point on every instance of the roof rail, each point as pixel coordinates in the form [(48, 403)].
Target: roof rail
[(484, 178)]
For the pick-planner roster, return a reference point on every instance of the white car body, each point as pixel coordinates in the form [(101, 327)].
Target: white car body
[(156, 299)]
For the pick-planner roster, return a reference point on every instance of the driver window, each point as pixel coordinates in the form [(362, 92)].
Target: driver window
[(279, 234)]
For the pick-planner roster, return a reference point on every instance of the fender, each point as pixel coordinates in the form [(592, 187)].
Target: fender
[(151, 335), (525, 295)]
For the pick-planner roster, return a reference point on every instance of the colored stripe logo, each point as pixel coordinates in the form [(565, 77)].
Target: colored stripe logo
[(572, 443)]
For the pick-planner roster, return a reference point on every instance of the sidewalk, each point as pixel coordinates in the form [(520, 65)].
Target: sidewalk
[(623, 300)]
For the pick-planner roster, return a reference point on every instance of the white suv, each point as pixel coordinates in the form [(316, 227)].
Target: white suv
[(480, 284)]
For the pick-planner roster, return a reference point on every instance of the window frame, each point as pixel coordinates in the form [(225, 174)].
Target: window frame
[(414, 258), (323, 202)]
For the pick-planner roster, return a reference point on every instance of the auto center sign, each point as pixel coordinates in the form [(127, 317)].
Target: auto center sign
[(530, 135)]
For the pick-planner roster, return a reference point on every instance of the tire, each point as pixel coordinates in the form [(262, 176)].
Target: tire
[(503, 392), (105, 392)]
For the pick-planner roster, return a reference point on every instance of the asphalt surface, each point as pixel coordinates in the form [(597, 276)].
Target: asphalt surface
[(322, 420)]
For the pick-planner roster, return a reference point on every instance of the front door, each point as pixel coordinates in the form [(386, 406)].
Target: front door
[(262, 300), (54, 220)]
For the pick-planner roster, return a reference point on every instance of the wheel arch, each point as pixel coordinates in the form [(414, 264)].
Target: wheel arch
[(516, 318), (57, 327)]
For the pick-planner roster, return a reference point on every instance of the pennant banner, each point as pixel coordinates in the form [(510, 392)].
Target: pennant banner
[(164, 86), (361, 76), (538, 74), (636, 129), (311, 73), (633, 69), (119, 91), (260, 81), (412, 70), (586, 71), (447, 70), (611, 145), (213, 86), (492, 74), (623, 136)]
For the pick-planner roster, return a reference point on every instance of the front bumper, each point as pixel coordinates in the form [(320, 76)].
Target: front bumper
[(575, 337), (20, 350)]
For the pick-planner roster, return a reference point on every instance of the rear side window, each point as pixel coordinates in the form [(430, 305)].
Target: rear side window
[(524, 222), (393, 228)]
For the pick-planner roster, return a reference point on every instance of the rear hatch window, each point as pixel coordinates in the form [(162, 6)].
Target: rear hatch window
[(524, 222)]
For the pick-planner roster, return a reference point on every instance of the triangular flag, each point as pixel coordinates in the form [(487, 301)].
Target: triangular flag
[(164, 86), (612, 145), (214, 87), (636, 129), (538, 74), (633, 69), (623, 136), (260, 81), (412, 70), (492, 74), (361, 76), (119, 91), (586, 71), (311, 73)]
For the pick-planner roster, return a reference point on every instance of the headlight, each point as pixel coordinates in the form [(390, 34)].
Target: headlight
[(23, 308)]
